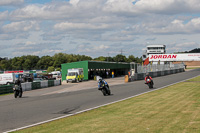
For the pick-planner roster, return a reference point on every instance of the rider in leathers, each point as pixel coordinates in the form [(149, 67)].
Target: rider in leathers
[(148, 77), (100, 83)]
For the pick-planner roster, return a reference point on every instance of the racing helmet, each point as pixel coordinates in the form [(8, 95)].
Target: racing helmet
[(100, 79)]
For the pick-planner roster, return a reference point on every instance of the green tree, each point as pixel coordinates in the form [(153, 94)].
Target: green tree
[(17, 63), (101, 58), (59, 59), (131, 58), (139, 60), (50, 69), (5, 65), (120, 58), (30, 62), (82, 57), (58, 69), (45, 62)]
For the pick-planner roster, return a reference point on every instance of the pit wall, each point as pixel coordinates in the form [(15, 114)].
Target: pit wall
[(141, 76), (5, 89)]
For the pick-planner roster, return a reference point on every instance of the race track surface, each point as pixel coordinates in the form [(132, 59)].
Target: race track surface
[(34, 107)]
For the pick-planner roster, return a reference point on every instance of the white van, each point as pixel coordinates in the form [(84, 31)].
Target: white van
[(7, 78), (56, 74)]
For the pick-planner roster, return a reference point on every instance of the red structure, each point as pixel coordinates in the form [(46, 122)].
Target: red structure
[(14, 71), (146, 61)]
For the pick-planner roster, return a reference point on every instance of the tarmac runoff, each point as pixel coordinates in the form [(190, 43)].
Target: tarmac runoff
[(39, 123), (90, 84), (87, 85)]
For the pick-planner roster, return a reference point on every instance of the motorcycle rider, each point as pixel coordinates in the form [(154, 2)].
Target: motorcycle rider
[(100, 83), (18, 82), (148, 77)]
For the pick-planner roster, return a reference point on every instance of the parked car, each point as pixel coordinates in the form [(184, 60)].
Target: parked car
[(56, 74)]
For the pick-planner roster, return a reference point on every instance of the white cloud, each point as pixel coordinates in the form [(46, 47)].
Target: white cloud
[(74, 2), (91, 48), (10, 2), (188, 45), (22, 26), (17, 30), (86, 26), (120, 6), (171, 27), (3, 15), (168, 6), (103, 24), (34, 48), (182, 47)]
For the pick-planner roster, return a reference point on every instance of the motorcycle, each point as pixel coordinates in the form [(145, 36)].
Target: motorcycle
[(17, 91), (149, 82), (105, 89)]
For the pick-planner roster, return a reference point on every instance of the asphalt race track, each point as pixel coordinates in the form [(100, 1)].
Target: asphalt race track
[(16, 113)]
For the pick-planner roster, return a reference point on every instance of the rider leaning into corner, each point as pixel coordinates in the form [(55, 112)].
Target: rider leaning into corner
[(148, 77), (100, 83)]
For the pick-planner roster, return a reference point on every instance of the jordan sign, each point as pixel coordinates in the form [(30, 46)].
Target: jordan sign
[(175, 57)]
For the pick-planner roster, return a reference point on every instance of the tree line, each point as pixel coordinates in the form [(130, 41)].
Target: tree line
[(51, 63), (196, 50)]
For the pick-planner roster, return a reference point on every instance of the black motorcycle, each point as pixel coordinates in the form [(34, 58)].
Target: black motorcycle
[(149, 82), (105, 89), (17, 91)]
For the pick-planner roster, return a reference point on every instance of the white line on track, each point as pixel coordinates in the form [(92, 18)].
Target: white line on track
[(39, 123)]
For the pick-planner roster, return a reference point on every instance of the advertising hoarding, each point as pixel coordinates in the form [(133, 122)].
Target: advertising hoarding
[(175, 57)]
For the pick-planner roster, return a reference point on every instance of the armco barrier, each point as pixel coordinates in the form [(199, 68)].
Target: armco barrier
[(4, 89)]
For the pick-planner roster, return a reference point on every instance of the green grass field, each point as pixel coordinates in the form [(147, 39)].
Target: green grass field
[(175, 109), (193, 67)]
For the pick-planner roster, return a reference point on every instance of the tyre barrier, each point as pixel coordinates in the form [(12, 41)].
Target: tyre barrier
[(141, 76), (5, 89)]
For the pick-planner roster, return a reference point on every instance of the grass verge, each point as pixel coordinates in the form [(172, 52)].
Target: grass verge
[(175, 109), (192, 67), (6, 94)]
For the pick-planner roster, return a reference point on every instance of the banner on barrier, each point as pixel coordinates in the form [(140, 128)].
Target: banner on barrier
[(175, 57)]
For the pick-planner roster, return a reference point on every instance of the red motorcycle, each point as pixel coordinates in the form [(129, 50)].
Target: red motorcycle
[(149, 82)]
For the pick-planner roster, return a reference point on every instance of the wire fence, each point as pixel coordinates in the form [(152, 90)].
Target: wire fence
[(156, 67)]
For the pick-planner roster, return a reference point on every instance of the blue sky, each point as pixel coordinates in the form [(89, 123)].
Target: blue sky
[(97, 27), (39, 1)]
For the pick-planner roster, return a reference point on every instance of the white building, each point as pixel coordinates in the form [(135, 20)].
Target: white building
[(153, 49)]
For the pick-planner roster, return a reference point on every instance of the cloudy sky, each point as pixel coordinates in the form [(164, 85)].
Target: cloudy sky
[(97, 27)]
